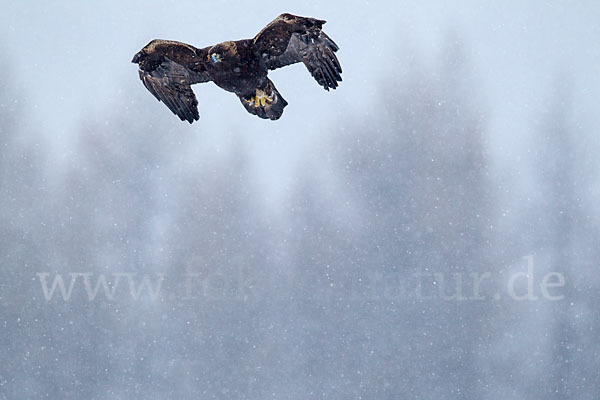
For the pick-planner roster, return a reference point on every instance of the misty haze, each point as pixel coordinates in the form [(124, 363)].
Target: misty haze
[(428, 230)]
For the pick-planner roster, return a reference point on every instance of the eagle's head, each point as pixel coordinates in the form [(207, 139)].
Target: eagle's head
[(226, 51)]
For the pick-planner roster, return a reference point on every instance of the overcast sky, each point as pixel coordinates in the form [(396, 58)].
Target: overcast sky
[(93, 197), (72, 61)]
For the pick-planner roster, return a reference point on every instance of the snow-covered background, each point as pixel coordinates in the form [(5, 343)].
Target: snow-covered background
[(316, 256)]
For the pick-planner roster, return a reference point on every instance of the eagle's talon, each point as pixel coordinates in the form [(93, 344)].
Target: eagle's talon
[(260, 99)]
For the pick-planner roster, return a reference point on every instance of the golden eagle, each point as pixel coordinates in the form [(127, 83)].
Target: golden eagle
[(168, 68)]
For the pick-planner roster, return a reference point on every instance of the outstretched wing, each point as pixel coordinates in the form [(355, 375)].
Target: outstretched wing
[(169, 80), (290, 39), (170, 83)]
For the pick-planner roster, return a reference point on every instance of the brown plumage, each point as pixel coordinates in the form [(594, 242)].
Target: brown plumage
[(169, 68)]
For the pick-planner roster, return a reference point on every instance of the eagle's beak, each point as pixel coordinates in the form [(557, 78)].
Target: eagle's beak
[(215, 58)]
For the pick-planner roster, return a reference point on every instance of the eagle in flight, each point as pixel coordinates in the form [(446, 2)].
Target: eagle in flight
[(169, 68)]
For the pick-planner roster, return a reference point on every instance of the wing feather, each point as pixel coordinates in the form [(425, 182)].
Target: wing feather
[(168, 69), (291, 39), (170, 83)]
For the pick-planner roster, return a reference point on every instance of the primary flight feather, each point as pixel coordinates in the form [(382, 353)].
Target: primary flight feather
[(168, 68)]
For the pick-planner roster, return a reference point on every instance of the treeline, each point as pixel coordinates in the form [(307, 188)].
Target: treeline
[(319, 297)]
